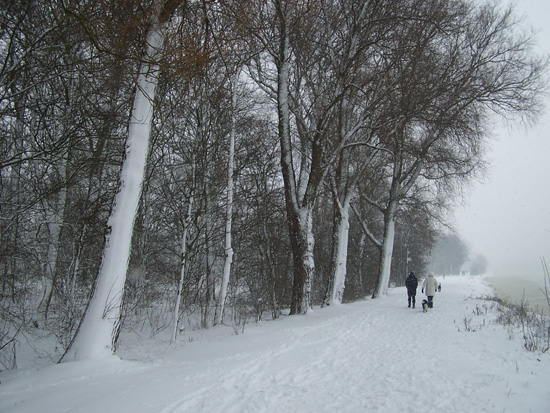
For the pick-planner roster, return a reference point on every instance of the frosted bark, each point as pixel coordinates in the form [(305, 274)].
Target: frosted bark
[(287, 168), (229, 211), (75, 265), (184, 254), (387, 250), (299, 211), (96, 336), (362, 243), (271, 269), (341, 255), (401, 185), (284, 126), (210, 257), (308, 260), (55, 217)]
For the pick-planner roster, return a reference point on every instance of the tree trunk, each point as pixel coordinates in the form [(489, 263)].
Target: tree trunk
[(383, 281), (298, 216), (337, 277), (229, 211), (270, 264), (183, 256), (207, 281), (302, 243), (362, 243), (96, 337), (55, 216)]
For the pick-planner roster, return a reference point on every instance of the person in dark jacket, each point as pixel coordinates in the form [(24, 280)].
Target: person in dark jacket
[(412, 284)]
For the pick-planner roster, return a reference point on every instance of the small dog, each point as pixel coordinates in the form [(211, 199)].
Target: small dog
[(424, 306)]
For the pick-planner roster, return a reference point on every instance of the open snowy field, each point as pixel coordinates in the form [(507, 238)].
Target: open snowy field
[(370, 356)]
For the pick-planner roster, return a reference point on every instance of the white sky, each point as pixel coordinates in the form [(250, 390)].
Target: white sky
[(507, 217)]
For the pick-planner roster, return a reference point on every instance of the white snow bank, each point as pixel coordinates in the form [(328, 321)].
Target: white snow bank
[(370, 356)]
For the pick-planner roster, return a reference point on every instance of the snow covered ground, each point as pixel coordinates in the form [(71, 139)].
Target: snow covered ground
[(370, 356)]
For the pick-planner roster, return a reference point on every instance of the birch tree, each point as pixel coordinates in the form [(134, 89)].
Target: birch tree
[(184, 258), (229, 207)]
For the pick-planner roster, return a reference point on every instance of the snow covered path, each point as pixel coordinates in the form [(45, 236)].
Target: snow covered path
[(371, 356)]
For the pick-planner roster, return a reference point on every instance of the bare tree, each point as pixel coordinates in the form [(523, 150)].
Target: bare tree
[(316, 52), (450, 71)]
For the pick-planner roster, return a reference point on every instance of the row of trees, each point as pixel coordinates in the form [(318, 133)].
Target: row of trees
[(177, 156), (450, 255)]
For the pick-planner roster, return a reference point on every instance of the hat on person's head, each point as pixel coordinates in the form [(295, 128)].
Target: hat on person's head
[(431, 274), (411, 273)]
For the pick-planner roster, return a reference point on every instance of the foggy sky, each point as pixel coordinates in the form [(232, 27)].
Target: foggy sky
[(507, 217)]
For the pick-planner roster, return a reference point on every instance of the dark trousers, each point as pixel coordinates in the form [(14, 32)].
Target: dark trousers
[(430, 301), (412, 295)]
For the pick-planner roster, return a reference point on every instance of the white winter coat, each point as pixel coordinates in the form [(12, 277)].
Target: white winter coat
[(430, 284)]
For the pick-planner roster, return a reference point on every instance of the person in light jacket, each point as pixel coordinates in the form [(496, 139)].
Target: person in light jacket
[(430, 286)]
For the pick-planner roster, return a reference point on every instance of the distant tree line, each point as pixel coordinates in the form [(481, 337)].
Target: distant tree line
[(299, 152), (450, 255)]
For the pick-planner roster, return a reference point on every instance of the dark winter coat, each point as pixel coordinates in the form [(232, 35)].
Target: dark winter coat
[(411, 283)]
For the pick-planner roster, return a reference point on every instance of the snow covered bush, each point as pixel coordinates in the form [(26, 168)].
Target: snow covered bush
[(533, 324)]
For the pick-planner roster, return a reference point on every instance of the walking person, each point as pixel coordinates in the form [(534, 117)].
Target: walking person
[(430, 285), (412, 284)]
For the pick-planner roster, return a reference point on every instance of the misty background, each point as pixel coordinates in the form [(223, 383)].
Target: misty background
[(506, 216)]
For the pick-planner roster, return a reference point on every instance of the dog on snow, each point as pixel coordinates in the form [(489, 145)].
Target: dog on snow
[(424, 306)]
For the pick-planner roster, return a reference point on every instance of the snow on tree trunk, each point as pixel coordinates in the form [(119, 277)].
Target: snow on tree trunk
[(229, 211), (308, 260), (298, 216), (270, 268), (183, 255), (398, 191), (302, 243), (210, 257), (362, 243), (96, 337), (75, 265), (340, 256), (387, 250), (55, 217)]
